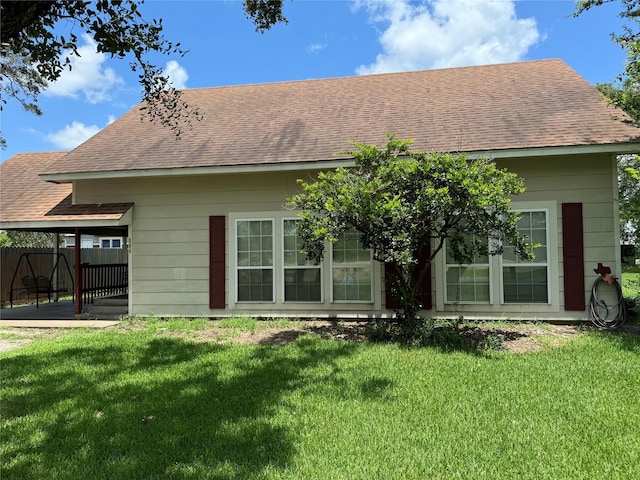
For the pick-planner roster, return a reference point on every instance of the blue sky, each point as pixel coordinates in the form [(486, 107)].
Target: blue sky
[(322, 39)]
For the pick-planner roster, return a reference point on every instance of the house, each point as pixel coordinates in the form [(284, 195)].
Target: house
[(209, 235), (94, 241)]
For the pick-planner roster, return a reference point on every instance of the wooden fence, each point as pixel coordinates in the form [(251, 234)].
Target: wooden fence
[(43, 261)]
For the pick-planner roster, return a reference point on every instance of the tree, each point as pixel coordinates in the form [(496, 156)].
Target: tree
[(625, 94), (628, 99), (27, 239), (400, 202), (629, 197), (34, 52), (625, 91)]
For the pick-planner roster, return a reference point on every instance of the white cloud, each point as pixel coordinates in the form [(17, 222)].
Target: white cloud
[(177, 75), (88, 76), (316, 47), (72, 135), (448, 33)]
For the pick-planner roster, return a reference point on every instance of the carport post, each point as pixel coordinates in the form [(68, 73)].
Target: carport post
[(54, 279), (77, 286)]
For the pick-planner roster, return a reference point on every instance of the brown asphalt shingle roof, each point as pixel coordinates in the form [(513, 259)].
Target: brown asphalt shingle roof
[(478, 109), (24, 197)]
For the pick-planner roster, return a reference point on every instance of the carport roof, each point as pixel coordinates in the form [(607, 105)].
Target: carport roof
[(29, 203)]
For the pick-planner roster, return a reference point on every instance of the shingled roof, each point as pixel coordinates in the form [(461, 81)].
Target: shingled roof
[(474, 109), (27, 202)]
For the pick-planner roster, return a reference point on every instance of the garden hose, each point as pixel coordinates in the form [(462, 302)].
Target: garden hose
[(600, 313)]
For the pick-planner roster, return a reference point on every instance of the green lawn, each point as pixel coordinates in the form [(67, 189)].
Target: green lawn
[(631, 282), (143, 405), (631, 291)]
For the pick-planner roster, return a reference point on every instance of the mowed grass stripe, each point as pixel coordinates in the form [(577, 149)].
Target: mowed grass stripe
[(137, 405)]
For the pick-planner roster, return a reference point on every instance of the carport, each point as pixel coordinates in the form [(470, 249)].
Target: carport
[(29, 204)]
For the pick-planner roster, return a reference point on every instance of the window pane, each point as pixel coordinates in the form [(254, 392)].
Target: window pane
[(348, 249), (524, 281), (106, 244), (476, 258), (255, 285), (115, 243), (470, 282), (302, 285), (254, 243), (243, 229), (539, 236), (467, 284), (525, 284), (352, 283), (539, 220), (254, 249), (292, 254), (525, 220)]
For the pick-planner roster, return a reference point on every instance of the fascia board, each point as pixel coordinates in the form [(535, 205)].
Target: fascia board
[(614, 149)]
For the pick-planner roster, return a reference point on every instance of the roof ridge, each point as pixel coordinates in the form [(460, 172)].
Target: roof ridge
[(369, 75)]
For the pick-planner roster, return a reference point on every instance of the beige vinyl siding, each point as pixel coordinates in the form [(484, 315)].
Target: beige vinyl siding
[(588, 180), (170, 241), (170, 235)]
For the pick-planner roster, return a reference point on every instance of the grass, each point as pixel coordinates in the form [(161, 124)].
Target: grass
[(133, 404), (631, 292), (631, 282)]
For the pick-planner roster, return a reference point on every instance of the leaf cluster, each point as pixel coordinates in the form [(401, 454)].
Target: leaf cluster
[(398, 200), (625, 93), (35, 50), (401, 203), (629, 196), (264, 13)]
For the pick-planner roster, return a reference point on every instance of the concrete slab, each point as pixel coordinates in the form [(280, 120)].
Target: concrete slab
[(58, 323), (62, 310), (49, 315)]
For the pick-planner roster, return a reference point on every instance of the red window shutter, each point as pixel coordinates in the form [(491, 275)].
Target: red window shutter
[(573, 257), (216, 262)]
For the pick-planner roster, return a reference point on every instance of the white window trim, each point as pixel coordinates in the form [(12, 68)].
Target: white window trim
[(297, 267), (369, 264), (468, 302), (496, 305), (278, 305), (532, 264), (235, 269), (111, 239)]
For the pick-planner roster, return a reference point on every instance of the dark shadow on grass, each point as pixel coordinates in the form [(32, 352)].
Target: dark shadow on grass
[(627, 338), (445, 336), (161, 408)]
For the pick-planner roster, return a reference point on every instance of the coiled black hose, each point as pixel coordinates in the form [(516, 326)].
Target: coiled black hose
[(600, 313)]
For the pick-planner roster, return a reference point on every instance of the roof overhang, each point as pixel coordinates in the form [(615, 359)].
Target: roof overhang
[(66, 217), (611, 149)]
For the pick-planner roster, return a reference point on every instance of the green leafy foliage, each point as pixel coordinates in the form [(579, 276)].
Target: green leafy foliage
[(629, 197), (38, 39), (625, 93), (402, 202), (27, 239)]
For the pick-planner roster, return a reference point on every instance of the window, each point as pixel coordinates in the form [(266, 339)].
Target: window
[(302, 278), (467, 283), (351, 270), (254, 260), (267, 266), (525, 281), (110, 243)]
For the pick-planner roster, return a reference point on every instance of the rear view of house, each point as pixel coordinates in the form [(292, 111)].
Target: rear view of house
[(205, 221)]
